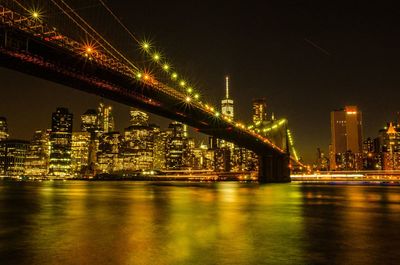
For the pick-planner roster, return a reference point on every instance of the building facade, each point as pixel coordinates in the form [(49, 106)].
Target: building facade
[(61, 143), (346, 139)]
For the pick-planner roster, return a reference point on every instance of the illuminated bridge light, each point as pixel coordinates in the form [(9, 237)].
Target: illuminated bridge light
[(139, 75), (189, 90), (182, 83), (174, 75), (146, 77), (145, 45), (188, 99), (196, 96), (156, 56), (217, 114), (166, 67)]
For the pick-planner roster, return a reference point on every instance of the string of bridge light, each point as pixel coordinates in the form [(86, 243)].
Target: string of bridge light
[(166, 67), (156, 57)]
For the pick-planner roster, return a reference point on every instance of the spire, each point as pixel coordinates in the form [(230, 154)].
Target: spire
[(227, 87), (391, 129)]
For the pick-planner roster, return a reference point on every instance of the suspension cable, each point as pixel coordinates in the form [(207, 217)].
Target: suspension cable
[(119, 21), (94, 31)]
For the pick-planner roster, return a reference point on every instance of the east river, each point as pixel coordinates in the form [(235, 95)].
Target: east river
[(77, 222)]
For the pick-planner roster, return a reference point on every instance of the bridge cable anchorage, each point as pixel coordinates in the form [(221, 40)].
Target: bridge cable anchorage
[(94, 31)]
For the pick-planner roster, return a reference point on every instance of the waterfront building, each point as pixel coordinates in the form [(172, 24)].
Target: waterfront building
[(259, 111), (346, 139), (38, 154), (80, 152), (109, 159), (12, 157), (61, 142), (390, 147), (321, 162), (138, 144), (3, 129), (160, 149)]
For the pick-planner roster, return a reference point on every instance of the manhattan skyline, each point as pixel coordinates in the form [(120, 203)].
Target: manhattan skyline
[(306, 60)]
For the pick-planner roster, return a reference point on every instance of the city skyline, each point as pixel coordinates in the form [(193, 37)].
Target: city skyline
[(283, 62)]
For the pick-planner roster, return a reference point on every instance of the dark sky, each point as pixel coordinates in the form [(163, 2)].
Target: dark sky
[(305, 57)]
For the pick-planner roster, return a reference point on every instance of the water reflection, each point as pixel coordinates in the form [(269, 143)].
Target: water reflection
[(196, 223)]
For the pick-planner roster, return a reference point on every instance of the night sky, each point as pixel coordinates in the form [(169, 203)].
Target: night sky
[(306, 57)]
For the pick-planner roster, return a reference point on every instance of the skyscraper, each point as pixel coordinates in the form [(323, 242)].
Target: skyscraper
[(60, 140), (227, 103), (346, 137), (138, 144), (259, 110), (90, 121), (38, 154), (105, 118), (12, 157), (80, 152), (3, 128)]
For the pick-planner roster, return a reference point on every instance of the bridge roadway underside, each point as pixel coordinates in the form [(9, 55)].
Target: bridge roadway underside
[(31, 55)]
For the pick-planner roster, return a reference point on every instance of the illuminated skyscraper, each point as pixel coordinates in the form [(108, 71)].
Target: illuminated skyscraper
[(227, 103), (138, 117), (390, 147), (259, 110), (105, 118), (177, 147), (80, 151), (38, 154), (12, 157), (346, 137), (109, 156), (138, 142), (90, 121), (3, 128), (61, 140)]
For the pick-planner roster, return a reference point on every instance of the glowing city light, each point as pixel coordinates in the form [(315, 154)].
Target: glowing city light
[(174, 75), (166, 67), (189, 90), (188, 99), (196, 96), (182, 83)]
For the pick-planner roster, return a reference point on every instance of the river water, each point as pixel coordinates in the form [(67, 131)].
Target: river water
[(197, 223)]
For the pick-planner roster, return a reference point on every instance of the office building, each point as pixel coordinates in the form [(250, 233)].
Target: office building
[(61, 142), (105, 118), (346, 139), (3, 129), (80, 152), (259, 111), (38, 154), (12, 157)]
